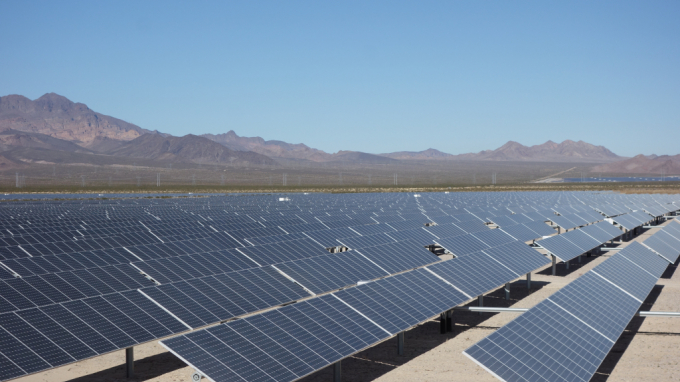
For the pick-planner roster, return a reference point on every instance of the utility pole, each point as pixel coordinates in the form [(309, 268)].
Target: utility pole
[(158, 179)]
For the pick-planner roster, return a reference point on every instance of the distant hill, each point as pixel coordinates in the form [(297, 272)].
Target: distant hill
[(280, 149), (567, 151), (359, 157), (275, 149), (189, 148), (640, 164), (10, 139), (429, 154), (59, 117)]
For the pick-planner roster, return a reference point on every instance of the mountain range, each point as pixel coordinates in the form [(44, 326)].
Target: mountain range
[(53, 123), (641, 164)]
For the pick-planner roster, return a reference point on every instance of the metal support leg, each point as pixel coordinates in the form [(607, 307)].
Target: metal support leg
[(400, 343), (337, 372), (449, 320), (554, 265), (579, 258), (507, 291), (566, 264), (480, 301), (442, 323), (130, 362), (529, 280)]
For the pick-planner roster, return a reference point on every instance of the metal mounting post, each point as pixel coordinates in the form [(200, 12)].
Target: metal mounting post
[(579, 259), (507, 291), (554, 265), (130, 361), (529, 280), (449, 320), (337, 371), (480, 301), (442, 323), (400, 343)]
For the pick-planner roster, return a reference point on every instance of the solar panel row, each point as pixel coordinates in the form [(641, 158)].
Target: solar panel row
[(566, 337)]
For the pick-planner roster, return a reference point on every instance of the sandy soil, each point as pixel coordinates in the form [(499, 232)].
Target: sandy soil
[(648, 350)]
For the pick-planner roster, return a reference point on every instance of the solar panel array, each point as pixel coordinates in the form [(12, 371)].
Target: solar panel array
[(334, 326), (80, 278), (567, 336), (577, 242)]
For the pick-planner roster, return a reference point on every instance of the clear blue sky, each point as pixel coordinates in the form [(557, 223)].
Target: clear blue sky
[(367, 76)]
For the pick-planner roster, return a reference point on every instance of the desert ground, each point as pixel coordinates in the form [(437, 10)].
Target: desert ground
[(648, 350)]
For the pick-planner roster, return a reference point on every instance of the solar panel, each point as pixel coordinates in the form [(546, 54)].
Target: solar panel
[(541, 228), (517, 257), (564, 222), (645, 258), (445, 230), (659, 246), (494, 237), (471, 226), (324, 274), (475, 274), (419, 235), (566, 336), (366, 241), (520, 232), (582, 240), (462, 245), (561, 247), (400, 256)]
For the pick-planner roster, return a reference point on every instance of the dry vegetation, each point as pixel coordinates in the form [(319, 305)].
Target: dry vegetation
[(142, 176)]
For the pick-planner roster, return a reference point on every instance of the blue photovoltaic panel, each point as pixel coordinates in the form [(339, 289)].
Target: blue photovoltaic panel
[(517, 256), (561, 247), (462, 245), (541, 228), (419, 235), (645, 258), (494, 237), (596, 233), (503, 221), (366, 241), (372, 229), (445, 230), (659, 246), (328, 238), (627, 275), (563, 222), (669, 239), (324, 274), (470, 226), (544, 344), (520, 232), (566, 337), (582, 240), (475, 274), (399, 256), (611, 302)]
